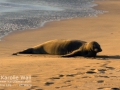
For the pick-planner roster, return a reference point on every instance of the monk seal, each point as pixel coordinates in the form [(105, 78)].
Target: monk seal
[(65, 48)]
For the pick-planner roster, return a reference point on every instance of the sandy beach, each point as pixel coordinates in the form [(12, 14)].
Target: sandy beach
[(48, 72)]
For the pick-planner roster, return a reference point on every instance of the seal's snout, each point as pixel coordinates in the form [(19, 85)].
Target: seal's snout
[(98, 50)]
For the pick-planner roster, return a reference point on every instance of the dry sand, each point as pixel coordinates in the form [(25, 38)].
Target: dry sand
[(47, 72)]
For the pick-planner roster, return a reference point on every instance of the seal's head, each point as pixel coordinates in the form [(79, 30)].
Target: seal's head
[(93, 46)]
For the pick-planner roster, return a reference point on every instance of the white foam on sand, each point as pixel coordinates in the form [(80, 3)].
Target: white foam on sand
[(21, 15)]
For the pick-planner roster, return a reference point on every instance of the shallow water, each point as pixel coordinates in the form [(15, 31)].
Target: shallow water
[(16, 7), (28, 14)]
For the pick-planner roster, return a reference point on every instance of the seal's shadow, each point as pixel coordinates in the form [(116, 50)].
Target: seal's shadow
[(108, 57)]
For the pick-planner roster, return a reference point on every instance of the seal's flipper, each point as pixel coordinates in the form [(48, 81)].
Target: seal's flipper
[(73, 54), (90, 54), (14, 53)]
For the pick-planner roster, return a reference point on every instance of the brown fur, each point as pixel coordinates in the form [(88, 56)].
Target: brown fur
[(66, 48)]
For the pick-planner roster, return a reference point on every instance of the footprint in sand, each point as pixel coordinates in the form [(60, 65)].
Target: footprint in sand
[(105, 64), (63, 86), (75, 74), (102, 76), (93, 71), (66, 86), (108, 88), (86, 77), (49, 83), (57, 87), (61, 75), (57, 77), (115, 88), (35, 88), (81, 68), (34, 76), (102, 70), (53, 78), (111, 68), (100, 81), (70, 75), (68, 81)]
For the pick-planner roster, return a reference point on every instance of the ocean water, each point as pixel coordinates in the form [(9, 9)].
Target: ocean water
[(29, 14)]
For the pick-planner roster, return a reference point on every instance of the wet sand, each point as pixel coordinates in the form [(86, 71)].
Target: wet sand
[(48, 72)]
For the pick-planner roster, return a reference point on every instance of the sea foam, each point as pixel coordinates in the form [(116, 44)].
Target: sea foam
[(18, 15)]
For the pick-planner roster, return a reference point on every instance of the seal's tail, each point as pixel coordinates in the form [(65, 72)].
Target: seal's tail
[(27, 51), (15, 53)]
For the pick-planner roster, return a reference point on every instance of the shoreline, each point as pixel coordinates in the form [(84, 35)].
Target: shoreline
[(35, 20), (42, 25), (67, 73)]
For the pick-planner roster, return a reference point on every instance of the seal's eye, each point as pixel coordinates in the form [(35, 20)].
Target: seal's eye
[(93, 46)]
